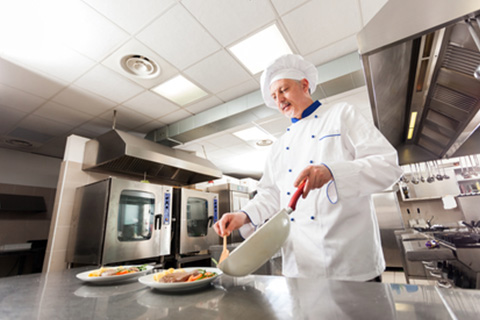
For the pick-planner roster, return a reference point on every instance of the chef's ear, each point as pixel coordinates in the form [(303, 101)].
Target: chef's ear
[(305, 85)]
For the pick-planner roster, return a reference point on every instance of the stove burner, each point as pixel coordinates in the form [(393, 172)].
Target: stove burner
[(459, 239)]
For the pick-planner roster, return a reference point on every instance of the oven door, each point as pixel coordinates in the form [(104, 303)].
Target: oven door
[(138, 225), (198, 213)]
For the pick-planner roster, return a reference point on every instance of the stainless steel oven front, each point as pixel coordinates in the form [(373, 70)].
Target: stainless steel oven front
[(117, 220), (196, 212)]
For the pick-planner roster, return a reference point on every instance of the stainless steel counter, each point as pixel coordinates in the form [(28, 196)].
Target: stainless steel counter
[(62, 296)]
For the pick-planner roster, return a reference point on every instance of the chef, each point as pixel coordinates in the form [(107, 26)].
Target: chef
[(343, 158)]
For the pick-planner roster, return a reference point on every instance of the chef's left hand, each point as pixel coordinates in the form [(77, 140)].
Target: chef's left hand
[(316, 177)]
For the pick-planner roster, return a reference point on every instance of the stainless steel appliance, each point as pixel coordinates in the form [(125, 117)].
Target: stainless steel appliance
[(231, 198), (419, 59), (195, 213), (389, 220), (117, 220), (124, 154), (464, 271)]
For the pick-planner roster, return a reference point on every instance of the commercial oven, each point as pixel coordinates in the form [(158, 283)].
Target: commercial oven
[(116, 220), (195, 213)]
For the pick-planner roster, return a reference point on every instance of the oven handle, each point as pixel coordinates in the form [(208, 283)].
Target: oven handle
[(158, 221), (211, 221)]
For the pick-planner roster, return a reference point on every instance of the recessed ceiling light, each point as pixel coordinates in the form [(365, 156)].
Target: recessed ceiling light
[(255, 134), (258, 50), (264, 142), (179, 90)]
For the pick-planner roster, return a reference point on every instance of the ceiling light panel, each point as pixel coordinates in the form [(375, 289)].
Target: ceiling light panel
[(252, 134), (258, 50), (180, 90)]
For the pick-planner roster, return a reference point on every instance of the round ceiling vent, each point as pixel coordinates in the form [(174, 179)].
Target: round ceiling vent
[(140, 66)]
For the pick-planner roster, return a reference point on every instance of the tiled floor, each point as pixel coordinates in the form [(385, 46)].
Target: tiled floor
[(399, 277)]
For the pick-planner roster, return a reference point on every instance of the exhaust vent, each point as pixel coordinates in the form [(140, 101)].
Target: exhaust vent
[(140, 66), (119, 152)]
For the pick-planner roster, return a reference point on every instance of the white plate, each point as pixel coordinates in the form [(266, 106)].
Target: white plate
[(111, 279), (181, 286)]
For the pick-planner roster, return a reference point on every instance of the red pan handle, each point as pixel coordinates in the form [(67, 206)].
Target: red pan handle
[(293, 202)]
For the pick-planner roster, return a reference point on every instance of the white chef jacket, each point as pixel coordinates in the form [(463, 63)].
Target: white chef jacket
[(334, 231)]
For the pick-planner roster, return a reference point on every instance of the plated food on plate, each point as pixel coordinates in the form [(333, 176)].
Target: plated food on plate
[(180, 275), (114, 274), (116, 271), (183, 279)]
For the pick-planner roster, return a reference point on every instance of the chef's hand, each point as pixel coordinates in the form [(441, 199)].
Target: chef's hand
[(316, 177), (229, 222)]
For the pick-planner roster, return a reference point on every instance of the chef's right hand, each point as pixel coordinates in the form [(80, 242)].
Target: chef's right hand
[(229, 222)]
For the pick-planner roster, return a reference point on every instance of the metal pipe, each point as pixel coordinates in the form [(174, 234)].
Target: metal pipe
[(476, 39), (114, 119), (472, 31)]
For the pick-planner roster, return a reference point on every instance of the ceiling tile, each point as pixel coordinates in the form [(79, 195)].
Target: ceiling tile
[(95, 127), (82, 28), (62, 114), (54, 59), (283, 6), (43, 125), (151, 104), (204, 104), (239, 90), (225, 140), (218, 72), (275, 126), (27, 80), (330, 20), (201, 148), (81, 100), (9, 118), (150, 126), (230, 20), (54, 147), (22, 101), (135, 47), (370, 8), (131, 15), (30, 135), (175, 116), (178, 38), (109, 84), (127, 117), (333, 51)]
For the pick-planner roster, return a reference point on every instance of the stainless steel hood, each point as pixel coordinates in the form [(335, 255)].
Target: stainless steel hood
[(420, 56), (119, 152)]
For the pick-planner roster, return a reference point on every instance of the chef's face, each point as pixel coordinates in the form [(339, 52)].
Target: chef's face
[(291, 96)]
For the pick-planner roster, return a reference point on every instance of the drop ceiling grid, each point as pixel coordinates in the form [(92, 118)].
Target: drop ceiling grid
[(82, 82)]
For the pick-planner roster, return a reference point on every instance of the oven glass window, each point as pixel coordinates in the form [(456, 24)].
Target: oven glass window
[(197, 217), (135, 216)]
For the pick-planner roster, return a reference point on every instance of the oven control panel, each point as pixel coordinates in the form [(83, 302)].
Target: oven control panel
[(215, 210), (166, 209)]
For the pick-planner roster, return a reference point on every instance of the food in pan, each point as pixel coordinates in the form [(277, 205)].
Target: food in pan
[(116, 271), (179, 275)]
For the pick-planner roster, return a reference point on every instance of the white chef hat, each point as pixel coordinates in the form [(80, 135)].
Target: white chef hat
[(289, 66)]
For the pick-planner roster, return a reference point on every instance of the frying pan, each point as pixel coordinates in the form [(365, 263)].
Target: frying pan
[(256, 250)]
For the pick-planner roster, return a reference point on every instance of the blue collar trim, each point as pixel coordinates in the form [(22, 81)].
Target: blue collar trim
[(311, 109)]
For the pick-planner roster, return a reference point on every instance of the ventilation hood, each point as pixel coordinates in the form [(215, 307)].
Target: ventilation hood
[(119, 152), (420, 56)]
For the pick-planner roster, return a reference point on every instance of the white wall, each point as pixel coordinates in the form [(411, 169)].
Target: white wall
[(22, 168)]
